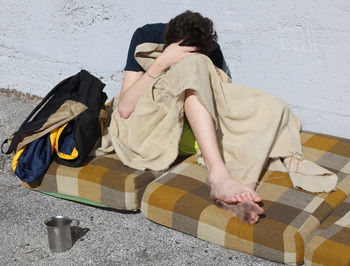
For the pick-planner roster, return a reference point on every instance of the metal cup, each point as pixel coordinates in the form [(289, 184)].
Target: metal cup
[(60, 233)]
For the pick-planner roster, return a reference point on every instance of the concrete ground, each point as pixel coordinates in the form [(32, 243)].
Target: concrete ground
[(111, 237)]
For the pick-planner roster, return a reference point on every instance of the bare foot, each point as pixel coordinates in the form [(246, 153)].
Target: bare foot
[(229, 190), (247, 212)]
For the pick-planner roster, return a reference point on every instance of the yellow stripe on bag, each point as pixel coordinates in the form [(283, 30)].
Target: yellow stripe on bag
[(53, 136), (71, 156), (16, 158)]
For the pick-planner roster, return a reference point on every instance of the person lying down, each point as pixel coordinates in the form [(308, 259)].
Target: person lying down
[(176, 85)]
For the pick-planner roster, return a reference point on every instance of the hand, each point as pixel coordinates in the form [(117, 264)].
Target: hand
[(174, 53)]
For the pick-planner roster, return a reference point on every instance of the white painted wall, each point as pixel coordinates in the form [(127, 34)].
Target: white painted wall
[(298, 50)]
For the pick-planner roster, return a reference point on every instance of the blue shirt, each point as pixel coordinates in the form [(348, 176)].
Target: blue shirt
[(154, 33)]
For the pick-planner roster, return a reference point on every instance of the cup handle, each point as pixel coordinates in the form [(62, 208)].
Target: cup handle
[(76, 227)]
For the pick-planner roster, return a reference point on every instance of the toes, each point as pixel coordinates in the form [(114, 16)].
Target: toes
[(256, 197), (234, 199), (257, 209), (247, 211), (245, 196), (254, 218), (250, 196), (252, 221), (238, 198)]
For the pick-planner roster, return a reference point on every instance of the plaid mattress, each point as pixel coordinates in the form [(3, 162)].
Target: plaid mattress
[(180, 200), (330, 244), (103, 181)]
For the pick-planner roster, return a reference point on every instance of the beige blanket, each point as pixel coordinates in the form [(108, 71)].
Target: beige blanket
[(252, 126)]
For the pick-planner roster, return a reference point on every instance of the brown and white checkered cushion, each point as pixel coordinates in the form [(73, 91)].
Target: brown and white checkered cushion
[(103, 181), (180, 200), (330, 244)]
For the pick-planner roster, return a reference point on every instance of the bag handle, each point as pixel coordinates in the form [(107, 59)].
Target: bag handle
[(17, 134)]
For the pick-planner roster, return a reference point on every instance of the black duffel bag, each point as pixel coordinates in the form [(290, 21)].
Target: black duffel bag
[(64, 127)]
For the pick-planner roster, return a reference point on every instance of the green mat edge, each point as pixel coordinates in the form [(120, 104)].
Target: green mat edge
[(73, 198)]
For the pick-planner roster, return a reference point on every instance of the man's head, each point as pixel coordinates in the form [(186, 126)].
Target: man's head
[(194, 29)]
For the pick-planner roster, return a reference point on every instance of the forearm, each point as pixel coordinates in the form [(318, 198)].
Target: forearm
[(134, 84), (131, 93)]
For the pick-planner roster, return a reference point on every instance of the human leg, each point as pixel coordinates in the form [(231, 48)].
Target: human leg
[(223, 186)]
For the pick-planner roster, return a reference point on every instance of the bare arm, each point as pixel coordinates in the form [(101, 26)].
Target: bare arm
[(136, 83)]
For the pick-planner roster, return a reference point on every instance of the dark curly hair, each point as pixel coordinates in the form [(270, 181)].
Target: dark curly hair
[(194, 29)]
